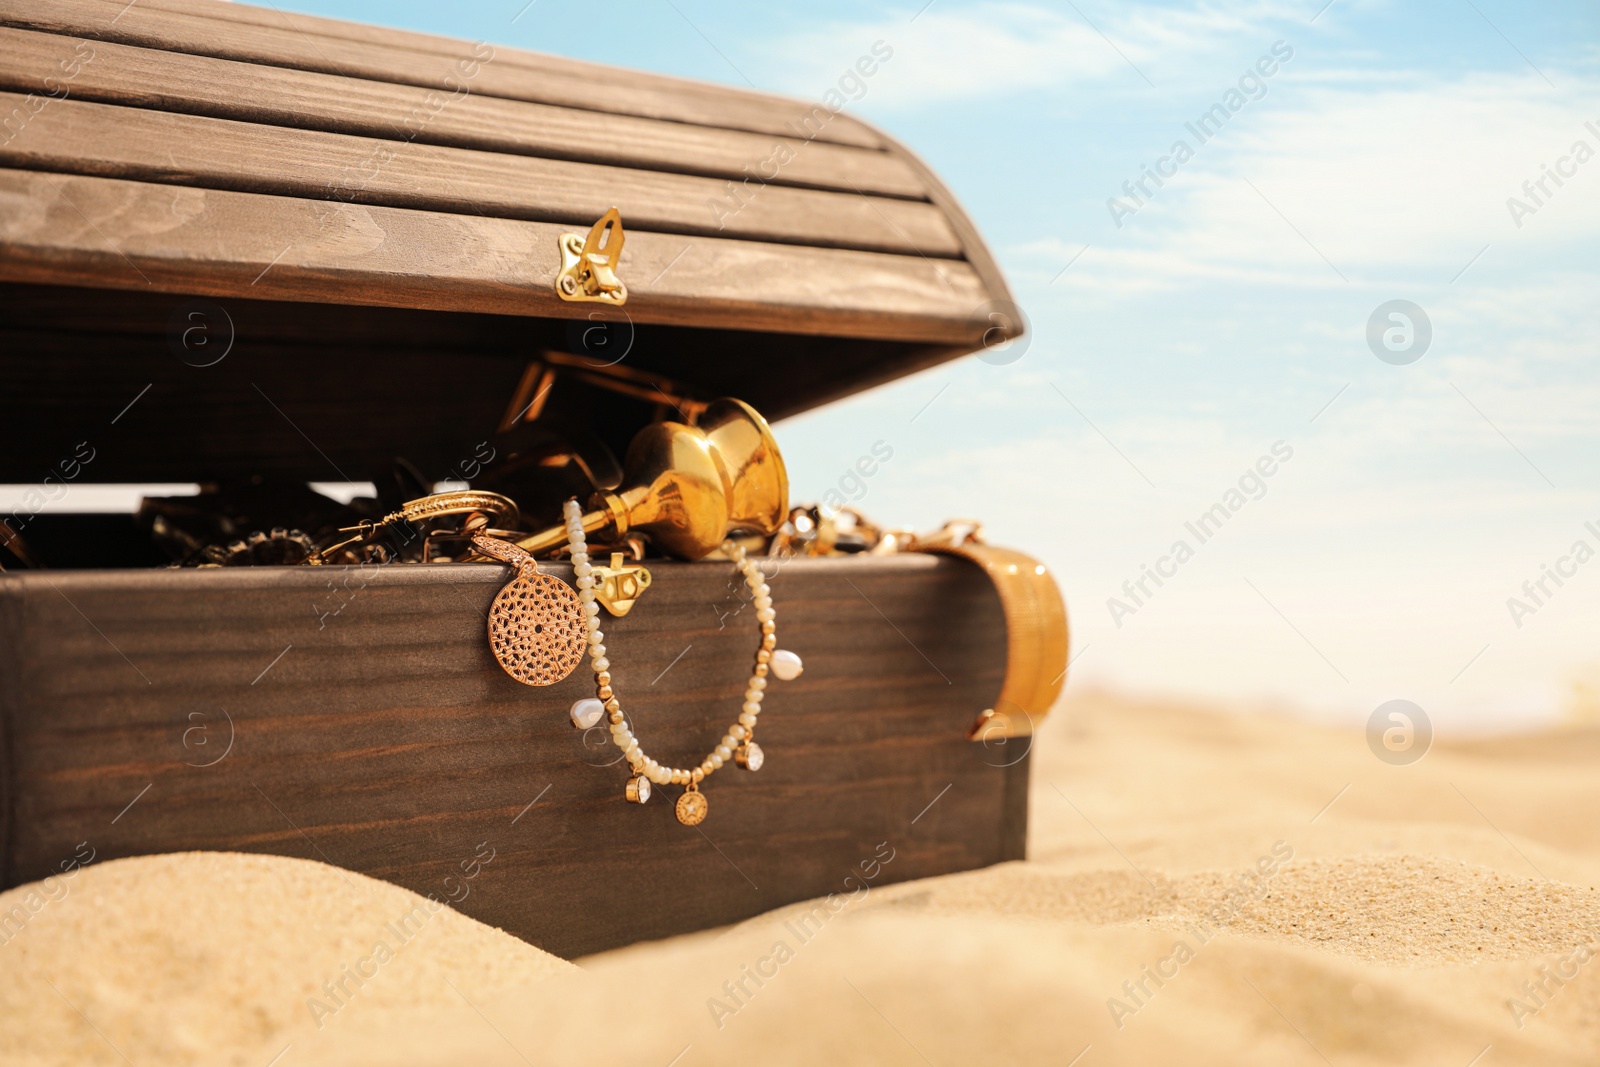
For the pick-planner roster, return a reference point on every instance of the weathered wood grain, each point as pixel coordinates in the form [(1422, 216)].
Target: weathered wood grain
[(274, 38), (237, 72), (385, 739), (250, 92), (77, 137), (88, 231), (1007, 320)]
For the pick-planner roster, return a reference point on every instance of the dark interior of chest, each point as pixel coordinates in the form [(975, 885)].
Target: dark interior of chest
[(256, 399)]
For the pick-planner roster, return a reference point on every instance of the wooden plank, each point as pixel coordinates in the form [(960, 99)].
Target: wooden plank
[(385, 739), (852, 130), (172, 81), (229, 31), (71, 136), (100, 232)]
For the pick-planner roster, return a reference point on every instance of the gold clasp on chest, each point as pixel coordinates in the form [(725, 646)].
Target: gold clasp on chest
[(619, 585), (589, 266)]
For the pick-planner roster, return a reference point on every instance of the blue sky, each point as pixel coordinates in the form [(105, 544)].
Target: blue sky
[(1229, 313), (1170, 353)]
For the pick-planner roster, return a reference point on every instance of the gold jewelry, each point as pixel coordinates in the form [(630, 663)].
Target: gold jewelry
[(737, 744), (692, 806), (619, 586), (1036, 628), (1036, 618), (498, 510), (536, 628), (690, 487)]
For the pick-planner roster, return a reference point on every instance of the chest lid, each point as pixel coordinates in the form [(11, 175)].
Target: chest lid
[(374, 226)]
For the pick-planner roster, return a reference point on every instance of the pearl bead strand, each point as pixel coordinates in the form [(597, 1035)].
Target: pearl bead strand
[(738, 743)]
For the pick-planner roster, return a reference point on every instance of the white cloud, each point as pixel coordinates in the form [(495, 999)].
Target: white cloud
[(1401, 182), (994, 49)]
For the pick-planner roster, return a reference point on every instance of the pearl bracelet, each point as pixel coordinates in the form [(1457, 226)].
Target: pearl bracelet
[(738, 744)]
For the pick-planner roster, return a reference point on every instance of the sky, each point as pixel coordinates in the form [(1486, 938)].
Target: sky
[(1183, 333)]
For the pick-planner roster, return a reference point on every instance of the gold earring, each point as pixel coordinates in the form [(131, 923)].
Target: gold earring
[(537, 628)]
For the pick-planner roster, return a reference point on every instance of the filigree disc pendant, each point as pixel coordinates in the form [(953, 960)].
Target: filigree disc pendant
[(691, 808), (537, 630)]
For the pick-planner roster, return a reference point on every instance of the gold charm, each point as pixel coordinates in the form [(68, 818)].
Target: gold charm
[(749, 756), (691, 807), (536, 624), (618, 586)]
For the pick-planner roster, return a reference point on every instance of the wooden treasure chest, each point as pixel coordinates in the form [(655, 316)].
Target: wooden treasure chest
[(250, 251)]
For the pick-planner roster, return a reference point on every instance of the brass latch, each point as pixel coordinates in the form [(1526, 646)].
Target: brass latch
[(589, 267), (620, 584)]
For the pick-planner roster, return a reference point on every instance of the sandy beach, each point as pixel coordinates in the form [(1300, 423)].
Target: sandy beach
[(1202, 888)]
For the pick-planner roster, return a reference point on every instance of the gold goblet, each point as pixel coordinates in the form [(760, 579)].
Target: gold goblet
[(692, 486)]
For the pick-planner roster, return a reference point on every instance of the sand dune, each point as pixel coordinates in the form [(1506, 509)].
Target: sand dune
[(1202, 888)]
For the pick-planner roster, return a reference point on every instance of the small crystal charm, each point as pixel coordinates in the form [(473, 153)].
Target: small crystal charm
[(587, 713), (638, 789), (749, 756), (786, 665)]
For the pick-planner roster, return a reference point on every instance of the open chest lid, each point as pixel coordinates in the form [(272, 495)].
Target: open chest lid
[(255, 243)]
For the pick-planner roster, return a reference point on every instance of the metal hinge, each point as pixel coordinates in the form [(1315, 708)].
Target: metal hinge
[(589, 267)]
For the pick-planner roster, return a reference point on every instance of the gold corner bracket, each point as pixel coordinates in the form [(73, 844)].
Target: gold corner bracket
[(1036, 636), (589, 265)]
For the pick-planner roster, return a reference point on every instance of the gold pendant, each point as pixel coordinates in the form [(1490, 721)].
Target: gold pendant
[(691, 807), (536, 624)]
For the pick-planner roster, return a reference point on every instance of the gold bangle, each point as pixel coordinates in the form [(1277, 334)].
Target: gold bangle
[(499, 510), (1036, 637), (502, 510)]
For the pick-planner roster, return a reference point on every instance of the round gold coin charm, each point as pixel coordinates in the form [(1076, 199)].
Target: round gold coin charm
[(536, 628), (691, 807)]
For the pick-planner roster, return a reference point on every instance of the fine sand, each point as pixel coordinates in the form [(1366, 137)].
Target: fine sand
[(1202, 889)]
